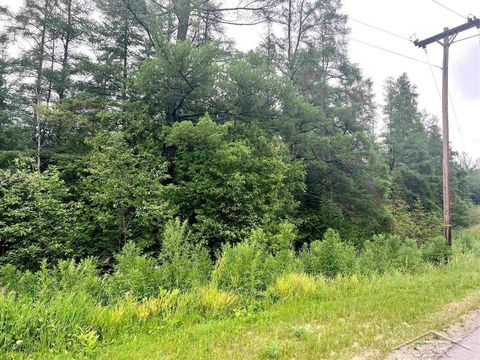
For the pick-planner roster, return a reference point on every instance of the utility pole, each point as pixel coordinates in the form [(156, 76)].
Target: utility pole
[(446, 38)]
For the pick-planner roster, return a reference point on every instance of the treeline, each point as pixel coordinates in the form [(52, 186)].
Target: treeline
[(118, 116)]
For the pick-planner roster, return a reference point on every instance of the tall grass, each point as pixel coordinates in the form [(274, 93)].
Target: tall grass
[(71, 308)]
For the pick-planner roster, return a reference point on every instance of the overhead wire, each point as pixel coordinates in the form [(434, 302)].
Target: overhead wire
[(454, 111), (428, 62), (433, 75), (469, 37), (449, 9), (393, 52), (384, 49), (379, 29)]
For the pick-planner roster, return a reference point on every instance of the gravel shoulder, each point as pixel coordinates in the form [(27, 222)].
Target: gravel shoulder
[(449, 343)]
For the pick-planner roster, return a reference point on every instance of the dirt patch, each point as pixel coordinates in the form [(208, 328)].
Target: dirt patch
[(433, 345)]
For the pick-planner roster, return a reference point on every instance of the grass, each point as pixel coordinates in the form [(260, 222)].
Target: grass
[(346, 318), (298, 316)]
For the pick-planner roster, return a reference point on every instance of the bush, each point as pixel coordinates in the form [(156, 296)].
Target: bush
[(389, 252), (135, 274), (249, 181), (37, 220), (277, 240), (468, 241), (242, 268), (437, 251), (66, 276), (252, 265), (415, 222), (329, 257), (184, 265), (213, 302)]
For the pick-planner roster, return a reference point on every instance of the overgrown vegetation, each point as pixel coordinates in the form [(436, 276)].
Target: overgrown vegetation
[(72, 308), (152, 175), (115, 124)]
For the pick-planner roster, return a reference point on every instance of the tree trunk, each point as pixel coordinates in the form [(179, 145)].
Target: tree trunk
[(182, 12), (125, 60), (38, 85), (68, 38)]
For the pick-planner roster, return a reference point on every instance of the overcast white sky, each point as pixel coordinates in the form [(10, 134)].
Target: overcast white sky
[(406, 17), (423, 18)]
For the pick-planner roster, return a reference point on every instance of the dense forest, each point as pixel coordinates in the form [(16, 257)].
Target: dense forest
[(164, 195), (121, 118)]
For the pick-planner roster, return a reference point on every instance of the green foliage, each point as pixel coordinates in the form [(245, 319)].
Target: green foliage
[(389, 252), (134, 274), (242, 268), (124, 194), (70, 308), (183, 264), (252, 265), (473, 186), (52, 322), (178, 79), (37, 220), (225, 186), (180, 265), (415, 223), (437, 251), (329, 257)]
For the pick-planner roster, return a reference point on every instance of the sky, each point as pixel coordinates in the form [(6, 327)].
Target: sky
[(422, 18)]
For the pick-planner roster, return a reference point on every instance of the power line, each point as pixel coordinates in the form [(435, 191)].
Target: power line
[(469, 37), (393, 52), (379, 29), (456, 121), (433, 75), (451, 102), (449, 9)]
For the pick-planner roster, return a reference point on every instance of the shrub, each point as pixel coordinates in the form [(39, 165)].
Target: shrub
[(249, 181), (67, 276), (135, 274), (129, 312), (37, 220), (184, 265), (388, 252), (437, 251), (414, 222), (329, 257), (242, 268), (278, 238)]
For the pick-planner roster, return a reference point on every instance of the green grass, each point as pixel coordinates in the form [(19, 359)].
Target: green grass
[(344, 318)]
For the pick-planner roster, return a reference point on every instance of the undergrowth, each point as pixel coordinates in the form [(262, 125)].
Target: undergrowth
[(71, 308)]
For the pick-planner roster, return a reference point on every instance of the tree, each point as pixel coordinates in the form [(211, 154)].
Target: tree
[(228, 180), (414, 155), (120, 43), (179, 82), (308, 28), (407, 144), (34, 22), (124, 196), (37, 220)]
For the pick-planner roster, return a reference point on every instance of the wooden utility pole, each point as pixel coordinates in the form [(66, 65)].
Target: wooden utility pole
[(446, 38)]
